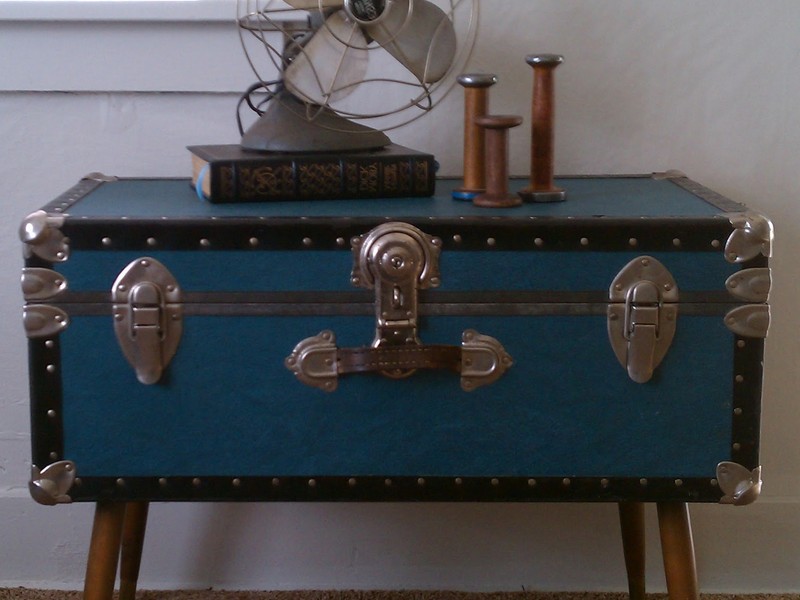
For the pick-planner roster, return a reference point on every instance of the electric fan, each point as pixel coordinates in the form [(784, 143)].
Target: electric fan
[(333, 91)]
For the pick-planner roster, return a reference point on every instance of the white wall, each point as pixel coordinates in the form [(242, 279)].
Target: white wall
[(708, 87)]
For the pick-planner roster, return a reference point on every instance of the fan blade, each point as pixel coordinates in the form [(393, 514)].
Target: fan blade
[(417, 33), (312, 4), (330, 63)]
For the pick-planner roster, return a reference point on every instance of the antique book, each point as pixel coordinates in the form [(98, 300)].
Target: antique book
[(227, 173)]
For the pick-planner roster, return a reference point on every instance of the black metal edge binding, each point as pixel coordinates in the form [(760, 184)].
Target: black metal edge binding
[(396, 489), (47, 426), (747, 384), (713, 198), (468, 233)]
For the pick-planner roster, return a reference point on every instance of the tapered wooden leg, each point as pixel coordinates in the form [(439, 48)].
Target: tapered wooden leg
[(678, 550), (133, 530), (101, 567), (631, 520)]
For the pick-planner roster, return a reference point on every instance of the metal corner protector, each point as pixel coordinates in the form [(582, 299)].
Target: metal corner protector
[(50, 486), (752, 236), (40, 233), (740, 485)]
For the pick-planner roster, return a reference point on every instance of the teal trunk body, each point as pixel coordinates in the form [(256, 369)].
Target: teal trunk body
[(227, 419)]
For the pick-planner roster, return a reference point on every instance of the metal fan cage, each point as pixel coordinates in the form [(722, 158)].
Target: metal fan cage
[(278, 30)]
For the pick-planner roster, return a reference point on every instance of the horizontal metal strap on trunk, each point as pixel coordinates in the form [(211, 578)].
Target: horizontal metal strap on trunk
[(402, 358), (366, 309)]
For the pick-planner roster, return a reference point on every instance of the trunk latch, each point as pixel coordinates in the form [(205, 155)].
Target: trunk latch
[(147, 317), (642, 316)]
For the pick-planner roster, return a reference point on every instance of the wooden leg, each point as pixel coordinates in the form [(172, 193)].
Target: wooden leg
[(101, 567), (678, 550), (631, 520), (132, 542)]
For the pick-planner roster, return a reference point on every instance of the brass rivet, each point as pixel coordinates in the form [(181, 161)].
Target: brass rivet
[(643, 481), (531, 482), (352, 482), (495, 482), (678, 482), (566, 481), (421, 481)]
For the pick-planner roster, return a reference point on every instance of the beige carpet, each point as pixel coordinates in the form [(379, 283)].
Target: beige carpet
[(26, 594)]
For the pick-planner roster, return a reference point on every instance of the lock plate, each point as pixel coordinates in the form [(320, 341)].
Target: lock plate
[(148, 317), (642, 316)]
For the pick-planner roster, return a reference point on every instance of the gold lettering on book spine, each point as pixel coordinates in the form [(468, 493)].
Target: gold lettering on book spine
[(422, 175), (369, 174), (320, 179), (264, 182)]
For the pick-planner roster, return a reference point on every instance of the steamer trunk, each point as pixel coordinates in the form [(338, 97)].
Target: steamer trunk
[(607, 348)]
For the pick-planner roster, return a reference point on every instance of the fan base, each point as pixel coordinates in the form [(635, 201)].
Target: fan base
[(291, 126)]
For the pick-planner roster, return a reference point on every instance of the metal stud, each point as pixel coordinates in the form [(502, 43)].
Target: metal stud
[(421, 481), (312, 483), (643, 482), (387, 482), (604, 483), (236, 482), (676, 242), (633, 242), (205, 243), (737, 412), (491, 242), (51, 413), (275, 482), (254, 241), (340, 241), (106, 241), (54, 456), (457, 239), (120, 482), (584, 241), (308, 242), (459, 481), (678, 482), (715, 243), (49, 344), (737, 446), (352, 482), (495, 482), (531, 483), (50, 368), (151, 241), (739, 379), (740, 344), (197, 482), (539, 242), (162, 482), (566, 481)]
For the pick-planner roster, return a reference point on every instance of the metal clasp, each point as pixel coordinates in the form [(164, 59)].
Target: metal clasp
[(642, 316), (396, 260), (147, 317)]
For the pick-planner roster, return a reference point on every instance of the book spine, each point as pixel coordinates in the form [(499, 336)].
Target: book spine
[(362, 177)]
